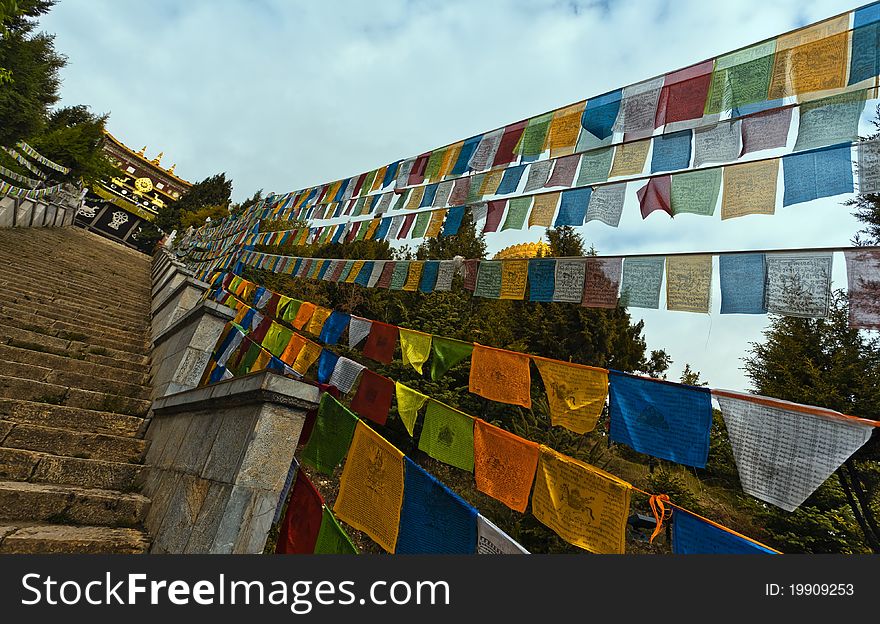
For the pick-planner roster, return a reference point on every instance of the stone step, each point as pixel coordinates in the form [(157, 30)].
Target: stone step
[(35, 341), (72, 379), (73, 365), (72, 443), (77, 305), (19, 465), (74, 294), (42, 502), (67, 331), (22, 307), (52, 539), (100, 288), (53, 394), (14, 411)]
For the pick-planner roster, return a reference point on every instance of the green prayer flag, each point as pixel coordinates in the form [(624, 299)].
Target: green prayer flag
[(362, 230), (368, 182), (331, 435), (250, 357), (290, 310), (448, 436), (532, 140), (489, 279), (595, 166), (432, 169), (398, 277), (696, 192), (741, 78), (447, 353), (517, 211), (276, 339), (332, 539), (421, 225), (474, 194)]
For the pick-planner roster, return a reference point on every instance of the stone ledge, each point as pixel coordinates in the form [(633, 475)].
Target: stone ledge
[(186, 283), (206, 307)]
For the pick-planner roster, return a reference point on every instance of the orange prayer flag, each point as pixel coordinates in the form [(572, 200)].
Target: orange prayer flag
[(304, 314), (504, 464), (500, 375), (291, 351)]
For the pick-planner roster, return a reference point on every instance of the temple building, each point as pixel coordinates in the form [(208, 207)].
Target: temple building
[(524, 250), (116, 208)]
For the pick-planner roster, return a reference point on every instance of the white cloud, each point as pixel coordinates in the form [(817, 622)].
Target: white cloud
[(283, 95)]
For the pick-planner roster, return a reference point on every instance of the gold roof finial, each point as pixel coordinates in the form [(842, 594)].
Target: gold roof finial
[(158, 158), (172, 168), (143, 149)]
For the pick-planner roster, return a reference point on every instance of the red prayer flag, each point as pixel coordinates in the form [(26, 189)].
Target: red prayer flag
[(381, 343), (470, 269), (460, 191), (407, 224), (684, 93), (359, 184), (299, 531), (655, 195), (494, 213), (262, 329), (507, 147), (417, 174), (373, 397), (387, 274)]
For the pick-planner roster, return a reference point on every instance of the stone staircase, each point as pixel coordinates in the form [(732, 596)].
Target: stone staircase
[(74, 392)]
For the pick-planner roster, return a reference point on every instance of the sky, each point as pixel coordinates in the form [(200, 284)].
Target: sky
[(281, 95)]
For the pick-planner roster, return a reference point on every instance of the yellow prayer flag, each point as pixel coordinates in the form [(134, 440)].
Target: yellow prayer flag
[(585, 506), (811, 59), (409, 402), (514, 275), (415, 198), (371, 487), (319, 317), (576, 393), (449, 159), (371, 229), (414, 276), (435, 225), (543, 209), (749, 188), (629, 158), (239, 317), (491, 181), (307, 356), (355, 270), (688, 283), (261, 362), (415, 346), (564, 130), (380, 176)]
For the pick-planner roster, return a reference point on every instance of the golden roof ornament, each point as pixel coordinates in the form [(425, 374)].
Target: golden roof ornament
[(172, 168), (158, 158), (143, 149)]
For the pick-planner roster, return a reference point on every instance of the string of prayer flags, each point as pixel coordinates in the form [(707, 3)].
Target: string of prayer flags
[(575, 393), (381, 342), (641, 282), (573, 207), (585, 506), (371, 488), (345, 374), (409, 402), (447, 353), (749, 188), (666, 420), (501, 376), (602, 282), (373, 397), (606, 204), (332, 538), (784, 451), (766, 130), (504, 464), (743, 278), (830, 121), (655, 195), (799, 284), (683, 97), (514, 275), (330, 437), (693, 535), (298, 534), (493, 541), (863, 288), (689, 283), (433, 518), (671, 151), (695, 192), (415, 348), (448, 435), (817, 173)]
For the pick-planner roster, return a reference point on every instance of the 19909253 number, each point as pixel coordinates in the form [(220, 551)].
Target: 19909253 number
[(821, 589)]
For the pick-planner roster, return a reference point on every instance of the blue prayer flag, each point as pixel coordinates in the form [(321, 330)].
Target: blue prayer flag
[(694, 536), (433, 519), (600, 113), (258, 292), (510, 181), (743, 279), (333, 327), (671, 151), (864, 65), (667, 420), (542, 279), (382, 230), (428, 197), (363, 276), (390, 174), (296, 266), (429, 276), (325, 264), (464, 156), (817, 173), (217, 374), (341, 192), (573, 207), (453, 220), (277, 365), (326, 364)]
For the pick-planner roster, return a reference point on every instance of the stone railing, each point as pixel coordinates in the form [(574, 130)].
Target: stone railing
[(21, 212)]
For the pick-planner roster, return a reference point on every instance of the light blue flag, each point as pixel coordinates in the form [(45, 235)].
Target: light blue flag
[(865, 40), (510, 181), (382, 230), (433, 518), (693, 536), (671, 151), (542, 279), (661, 418), (641, 282), (600, 113), (817, 173), (573, 207), (830, 121), (743, 279)]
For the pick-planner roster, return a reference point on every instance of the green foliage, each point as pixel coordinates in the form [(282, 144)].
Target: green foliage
[(669, 481), (466, 243), (214, 191), (72, 137), (197, 218), (564, 242)]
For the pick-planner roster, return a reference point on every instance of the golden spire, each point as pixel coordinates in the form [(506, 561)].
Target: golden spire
[(143, 149), (158, 158), (172, 168)]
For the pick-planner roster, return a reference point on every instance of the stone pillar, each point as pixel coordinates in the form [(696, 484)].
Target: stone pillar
[(218, 459), (7, 211), (172, 302), (181, 352)]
